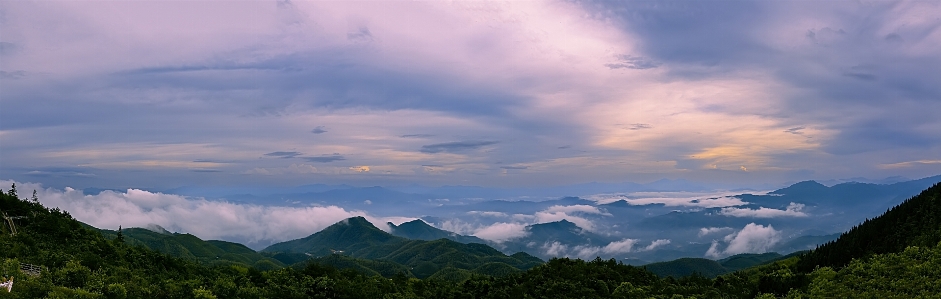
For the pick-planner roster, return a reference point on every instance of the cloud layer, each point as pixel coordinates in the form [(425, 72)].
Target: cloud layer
[(753, 238), (495, 93), (252, 225), (792, 210)]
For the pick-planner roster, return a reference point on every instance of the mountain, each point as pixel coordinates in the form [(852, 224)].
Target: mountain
[(191, 247), (914, 222), (347, 236), (805, 188), (747, 260), (709, 268), (357, 238), (687, 266), (419, 230), (563, 231), (852, 195)]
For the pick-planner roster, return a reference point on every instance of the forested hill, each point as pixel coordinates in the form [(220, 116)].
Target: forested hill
[(349, 235), (191, 247), (914, 222), (360, 240)]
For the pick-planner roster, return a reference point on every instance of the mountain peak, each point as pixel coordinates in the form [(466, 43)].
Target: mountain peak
[(420, 230), (356, 221), (802, 188), (347, 234), (557, 225)]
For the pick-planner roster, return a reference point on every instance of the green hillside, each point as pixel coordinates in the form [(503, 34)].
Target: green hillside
[(364, 266), (710, 268), (359, 239), (747, 260), (191, 247), (914, 222), (687, 266)]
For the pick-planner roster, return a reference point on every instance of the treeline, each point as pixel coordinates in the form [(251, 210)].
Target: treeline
[(914, 222)]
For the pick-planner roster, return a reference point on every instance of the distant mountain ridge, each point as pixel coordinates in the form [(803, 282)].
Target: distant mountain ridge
[(419, 230)]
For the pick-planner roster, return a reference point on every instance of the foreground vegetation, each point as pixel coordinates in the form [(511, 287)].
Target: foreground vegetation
[(81, 262)]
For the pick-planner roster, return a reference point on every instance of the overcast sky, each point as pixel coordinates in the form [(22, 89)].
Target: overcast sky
[(149, 94)]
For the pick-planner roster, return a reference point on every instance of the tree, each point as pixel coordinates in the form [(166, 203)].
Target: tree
[(12, 191), (120, 238), (34, 198)]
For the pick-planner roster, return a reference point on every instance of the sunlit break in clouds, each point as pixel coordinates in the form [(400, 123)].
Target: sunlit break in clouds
[(149, 94)]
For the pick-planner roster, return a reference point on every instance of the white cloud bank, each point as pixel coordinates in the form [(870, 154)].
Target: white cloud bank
[(753, 238), (590, 252), (792, 210), (515, 227), (558, 213), (711, 230), (716, 199), (252, 225), (502, 231)]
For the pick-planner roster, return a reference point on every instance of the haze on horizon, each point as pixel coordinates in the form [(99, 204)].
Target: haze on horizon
[(158, 95)]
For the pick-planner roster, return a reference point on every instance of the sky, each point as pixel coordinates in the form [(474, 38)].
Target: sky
[(156, 95)]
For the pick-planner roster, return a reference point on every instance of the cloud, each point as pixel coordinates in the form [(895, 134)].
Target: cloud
[(657, 244), (909, 164), (860, 76), (635, 127), (283, 154), (488, 214), (502, 231), (514, 167), (291, 169), (319, 130), (452, 147), (633, 62), (360, 168), (361, 34), (722, 82), (711, 230), (61, 172), (557, 213), (675, 199), (555, 249), (753, 238), (14, 75), (792, 210), (588, 252), (209, 220), (575, 209), (795, 130), (417, 136), (325, 158), (623, 246), (457, 226)]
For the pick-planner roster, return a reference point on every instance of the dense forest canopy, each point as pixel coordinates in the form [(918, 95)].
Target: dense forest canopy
[(896, 255)]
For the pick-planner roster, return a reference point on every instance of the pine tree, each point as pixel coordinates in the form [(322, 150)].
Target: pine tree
[(34, 198), (120, 237), (12, 191)]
